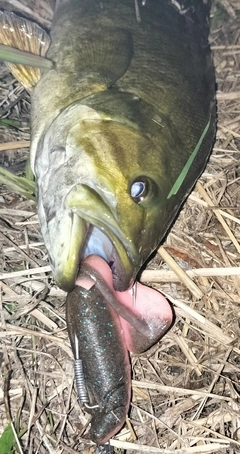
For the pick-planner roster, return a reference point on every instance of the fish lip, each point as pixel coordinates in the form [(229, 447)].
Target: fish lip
[(65, 232)]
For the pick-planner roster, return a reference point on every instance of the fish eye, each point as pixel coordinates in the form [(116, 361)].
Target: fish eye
[(139, 189)]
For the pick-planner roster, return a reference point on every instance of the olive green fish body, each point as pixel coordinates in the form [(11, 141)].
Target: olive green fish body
[(133, 101), (122, 126)]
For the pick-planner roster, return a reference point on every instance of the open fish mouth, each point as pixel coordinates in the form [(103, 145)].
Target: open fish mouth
[(109, 247), (98, 243), (71, 244)]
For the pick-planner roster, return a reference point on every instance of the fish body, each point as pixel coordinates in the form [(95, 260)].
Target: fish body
[(122, 126)]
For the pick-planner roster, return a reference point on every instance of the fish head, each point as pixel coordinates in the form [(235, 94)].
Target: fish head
[(102, 187)]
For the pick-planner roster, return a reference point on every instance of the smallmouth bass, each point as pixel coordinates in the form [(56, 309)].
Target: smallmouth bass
[(122, 127)]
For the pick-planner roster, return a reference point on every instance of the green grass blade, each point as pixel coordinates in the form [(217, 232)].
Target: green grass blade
[(7, 441), (8, 122), (21, 57), (28, 171), (21, 185), (179, 181)]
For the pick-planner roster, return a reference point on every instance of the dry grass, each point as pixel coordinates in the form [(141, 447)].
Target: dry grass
[(185, 389)]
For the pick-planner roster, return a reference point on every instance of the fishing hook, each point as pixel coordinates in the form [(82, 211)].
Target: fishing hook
[(80, 379)]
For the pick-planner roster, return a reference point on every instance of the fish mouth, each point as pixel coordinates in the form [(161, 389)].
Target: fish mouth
[(91, 235), (98, 243), (110, 248), (95, 242)]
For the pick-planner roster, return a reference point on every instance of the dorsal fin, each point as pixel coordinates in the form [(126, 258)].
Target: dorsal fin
[(93, 43), (20, 33), (108, 53)]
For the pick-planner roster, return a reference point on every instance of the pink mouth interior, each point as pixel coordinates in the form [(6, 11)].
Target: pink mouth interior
[(144, 302)]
